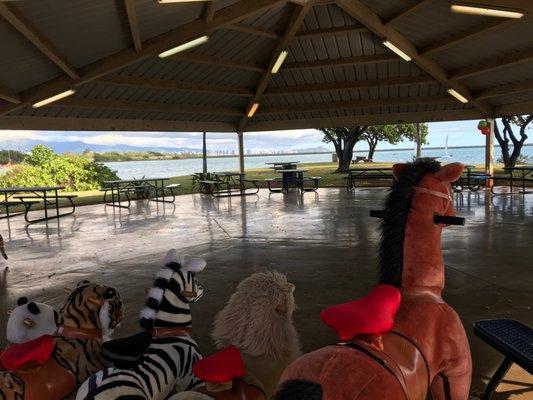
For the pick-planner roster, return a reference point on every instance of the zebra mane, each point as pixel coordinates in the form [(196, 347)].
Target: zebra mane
[(156, 293)]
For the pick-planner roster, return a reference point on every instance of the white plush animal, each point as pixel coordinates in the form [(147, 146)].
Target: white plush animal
[(31, 320)]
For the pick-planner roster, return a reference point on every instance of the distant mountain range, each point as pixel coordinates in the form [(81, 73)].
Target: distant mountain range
[(79, 147)]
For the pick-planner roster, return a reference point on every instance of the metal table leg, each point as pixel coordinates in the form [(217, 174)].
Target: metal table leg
[(496, 378)]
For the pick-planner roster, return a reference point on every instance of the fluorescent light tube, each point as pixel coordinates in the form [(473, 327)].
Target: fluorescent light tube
[(458, 95), (252, 110), (486, 10), (281, 58), (396, 50), (185, 46), (57, 97)]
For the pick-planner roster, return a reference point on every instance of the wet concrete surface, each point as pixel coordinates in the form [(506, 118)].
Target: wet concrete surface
[(325, 242)]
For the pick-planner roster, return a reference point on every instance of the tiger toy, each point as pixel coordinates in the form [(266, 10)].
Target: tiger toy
[(87, 318)]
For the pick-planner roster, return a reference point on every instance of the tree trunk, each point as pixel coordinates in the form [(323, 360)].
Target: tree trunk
[(345, 160), (418, 142), (371, 149), (503, 141)]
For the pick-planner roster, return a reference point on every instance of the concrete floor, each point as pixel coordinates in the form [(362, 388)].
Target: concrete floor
[(324, 242)]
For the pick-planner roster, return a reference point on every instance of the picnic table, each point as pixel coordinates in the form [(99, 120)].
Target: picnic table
[(228, 184), (472, 180), (366, 174), (526, 175), (284, 165), (28, 196), (157, 186), (295, 177)]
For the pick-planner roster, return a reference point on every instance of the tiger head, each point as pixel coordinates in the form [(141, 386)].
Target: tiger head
[(92, 306)]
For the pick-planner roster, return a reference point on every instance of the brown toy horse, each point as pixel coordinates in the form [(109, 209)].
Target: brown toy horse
[(427, 349)]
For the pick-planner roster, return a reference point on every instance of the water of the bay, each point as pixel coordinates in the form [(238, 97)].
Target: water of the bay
[(169, 168)]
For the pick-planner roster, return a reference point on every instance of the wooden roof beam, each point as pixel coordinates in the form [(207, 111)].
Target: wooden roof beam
[(504, 90), (327, 87), (9, 96), (337, 30), (399, 101), (133, 24), (12, 15), (218, 61), (102, 104), (493, 64), (297, 18), (209, 10), (493, 24), (229, 15), (405, 12), (339, 62), (357, 10), (111, 124), (361, 119), (505, 110), (173, 85)]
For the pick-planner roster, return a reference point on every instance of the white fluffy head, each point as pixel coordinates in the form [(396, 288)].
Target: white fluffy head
[(44, 322)]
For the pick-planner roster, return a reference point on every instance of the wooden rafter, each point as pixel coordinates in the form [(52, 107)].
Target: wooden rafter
[(219, 61), (179, 86), (469, 34), (493, 64), (513, 109), (101, 104), (12, 15), (298, 15), (228, 15), (405, 12), (371, 83), (357, 10), (339, 62), (9, 96), (111, 124), (337, 30), (401, 101), (504, 90), (253, 30), (209, 10), (133, 24), (368, 119)]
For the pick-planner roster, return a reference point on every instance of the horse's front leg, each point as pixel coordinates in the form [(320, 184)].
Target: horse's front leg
[(450, 387)]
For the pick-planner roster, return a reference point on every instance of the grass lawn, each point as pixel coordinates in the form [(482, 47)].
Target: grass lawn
[(325, 170)]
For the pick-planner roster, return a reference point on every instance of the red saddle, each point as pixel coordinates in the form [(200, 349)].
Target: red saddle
[(220, 367), (372, 314), (33, 353)]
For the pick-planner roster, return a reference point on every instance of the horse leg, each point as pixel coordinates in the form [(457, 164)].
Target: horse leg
[(450, 387)]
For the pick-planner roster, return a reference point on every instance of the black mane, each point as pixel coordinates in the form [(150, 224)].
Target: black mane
[(397, 207)]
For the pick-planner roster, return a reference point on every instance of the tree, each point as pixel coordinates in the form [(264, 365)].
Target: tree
[(393, 134), (344, 140), (510, 158)]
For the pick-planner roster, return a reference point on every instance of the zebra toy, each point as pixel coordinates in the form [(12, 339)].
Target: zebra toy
[(166, 350)]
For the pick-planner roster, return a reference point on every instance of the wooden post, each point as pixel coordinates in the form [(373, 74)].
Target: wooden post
[(241, 152), (489, 151), (204, 154), (418, 145)]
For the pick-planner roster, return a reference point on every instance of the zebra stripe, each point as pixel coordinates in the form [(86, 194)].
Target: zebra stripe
[(166, 365)]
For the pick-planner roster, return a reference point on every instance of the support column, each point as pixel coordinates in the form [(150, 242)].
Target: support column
[(241, 152), (489, 151), (204, 154)]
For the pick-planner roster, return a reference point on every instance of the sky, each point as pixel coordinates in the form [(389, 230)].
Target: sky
[(459, 133)]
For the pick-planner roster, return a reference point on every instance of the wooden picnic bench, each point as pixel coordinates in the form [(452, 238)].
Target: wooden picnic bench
[(366, 174)]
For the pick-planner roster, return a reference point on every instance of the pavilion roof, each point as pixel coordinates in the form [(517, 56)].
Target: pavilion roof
[(337, 71)]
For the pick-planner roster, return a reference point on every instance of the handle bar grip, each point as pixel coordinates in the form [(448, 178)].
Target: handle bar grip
[(443, 219)]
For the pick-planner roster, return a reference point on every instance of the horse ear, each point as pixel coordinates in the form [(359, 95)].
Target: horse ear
[(22, 300), (397, 169), (450, 172)]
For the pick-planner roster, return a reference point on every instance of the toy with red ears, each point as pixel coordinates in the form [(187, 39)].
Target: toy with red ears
[(402, 340), (224, 377)]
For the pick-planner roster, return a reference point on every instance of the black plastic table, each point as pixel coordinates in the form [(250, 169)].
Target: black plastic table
[(511, 338)]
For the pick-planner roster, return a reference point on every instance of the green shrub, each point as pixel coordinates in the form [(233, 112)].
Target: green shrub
[(43, 167), (11, 157)]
